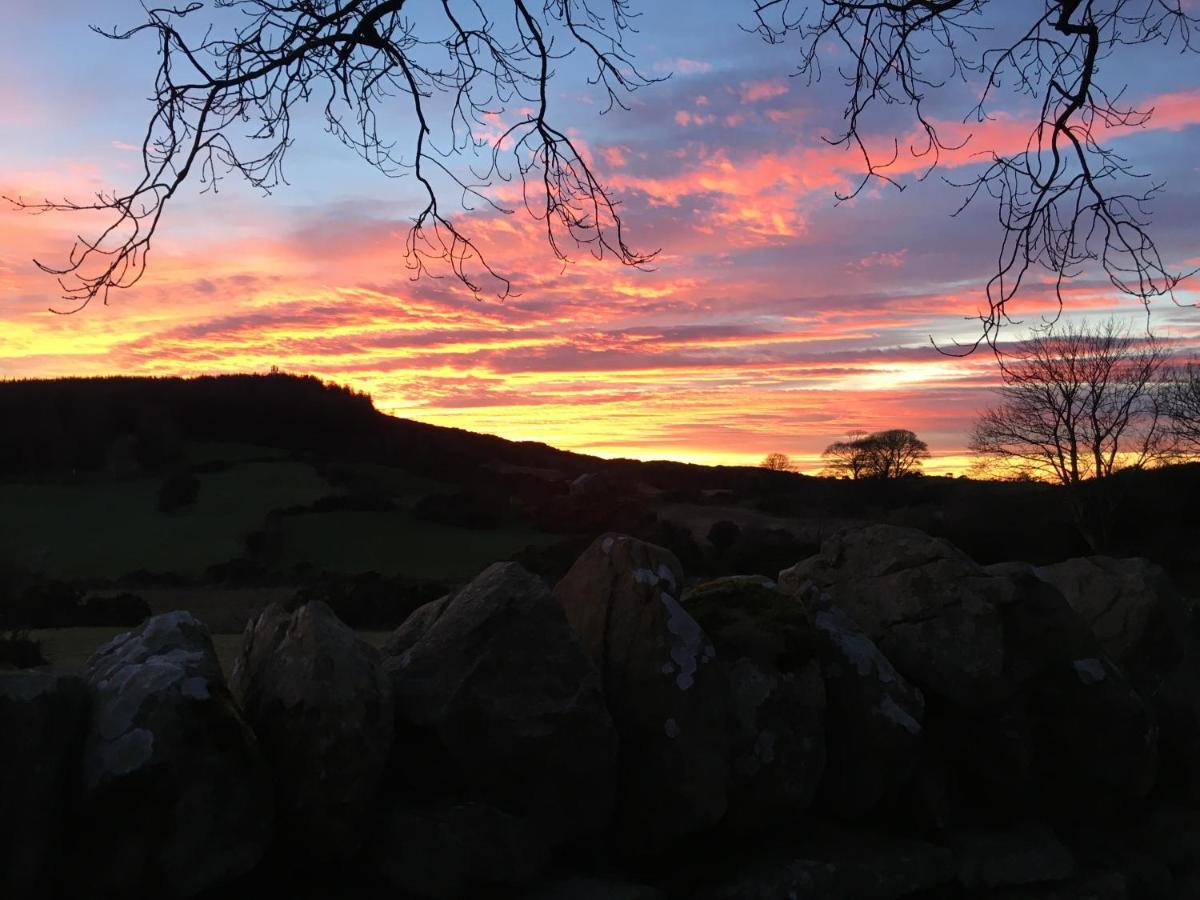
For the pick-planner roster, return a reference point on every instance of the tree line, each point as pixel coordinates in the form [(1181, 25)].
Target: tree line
[(1076, 404)]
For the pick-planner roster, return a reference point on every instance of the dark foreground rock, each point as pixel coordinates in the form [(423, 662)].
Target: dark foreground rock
[(834, 865), (175, 796), (668, 699), (767, 646), (317, 697), (43, 719), (457, 849), (1139, 618), (873, 720), (931, 610), (498, 675), (1010, 856), (1019, 694)]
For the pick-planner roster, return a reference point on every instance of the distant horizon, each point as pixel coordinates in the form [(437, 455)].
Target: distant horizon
[(774, 320)]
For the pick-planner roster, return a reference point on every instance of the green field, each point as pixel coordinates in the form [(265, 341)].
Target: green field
[(105, 528), (397, 543), (109, 528)]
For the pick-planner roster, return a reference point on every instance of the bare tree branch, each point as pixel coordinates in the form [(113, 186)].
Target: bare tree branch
[(1066, 201), (224, 105)]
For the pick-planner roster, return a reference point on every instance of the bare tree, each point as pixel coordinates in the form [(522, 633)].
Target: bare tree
[(223, 104), (895, 453), (475, 79), (1064, 199), (1181, 405), (778, 462), (1076, 405)]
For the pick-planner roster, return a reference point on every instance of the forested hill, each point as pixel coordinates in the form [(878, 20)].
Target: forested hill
[(83, 425), (80, 424)]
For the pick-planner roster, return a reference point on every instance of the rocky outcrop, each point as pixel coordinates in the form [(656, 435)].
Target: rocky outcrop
[(1022, 697), (1142, 623), (766, 644), (873, 719), (834, 865), (668, 699), (1005, 857), (498, 675), (175, 798), (457, 849), (317, 696), (43, 719), (931, 610), (1093, 741)]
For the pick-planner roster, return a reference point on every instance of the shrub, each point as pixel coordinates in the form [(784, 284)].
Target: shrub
[(371, 600), (18, 650), (178, 490), (723, 535)]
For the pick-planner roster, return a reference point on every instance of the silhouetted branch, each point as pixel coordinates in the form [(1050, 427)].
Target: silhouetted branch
[(224, 105), (1064, 201)]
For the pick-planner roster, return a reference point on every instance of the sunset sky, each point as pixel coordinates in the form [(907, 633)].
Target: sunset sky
[(773, 320)]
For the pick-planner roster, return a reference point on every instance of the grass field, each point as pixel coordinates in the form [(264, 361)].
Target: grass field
[(396, 543), (106, 529)]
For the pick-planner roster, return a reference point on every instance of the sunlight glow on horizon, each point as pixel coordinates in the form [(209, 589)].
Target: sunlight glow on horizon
[(773, 321)]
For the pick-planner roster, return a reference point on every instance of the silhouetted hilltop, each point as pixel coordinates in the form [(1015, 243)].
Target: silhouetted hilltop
[(102, 428), (75, 424)]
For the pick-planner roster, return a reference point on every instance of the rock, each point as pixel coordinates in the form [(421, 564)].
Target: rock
[(931, 610), (580, 888), (835, 865), (666, 696), (1141, 621), (175, 796), (992, 858), (43, 720), (873, 719), (317, 696), (766, 644), (457, 849), (497, 673), (1093, 885), (1092, 741), (1130, 605), (1020, 691)]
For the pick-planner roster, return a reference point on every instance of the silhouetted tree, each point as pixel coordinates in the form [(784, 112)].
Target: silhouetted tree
[(1181, 405), (474, 77), (1065, 199), (777, 462), (884, 455), (1076, 405), (223, 104)]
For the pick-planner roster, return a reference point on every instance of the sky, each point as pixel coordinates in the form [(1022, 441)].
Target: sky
[(773, 320)]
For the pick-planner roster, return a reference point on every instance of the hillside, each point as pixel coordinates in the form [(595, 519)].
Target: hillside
[(283, 479)]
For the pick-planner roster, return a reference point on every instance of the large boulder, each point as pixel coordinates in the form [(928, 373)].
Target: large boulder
[(1139, 618), (498, 675), (317, 696), (873, 719), (453, 849), (832, 864), (1030, 853), (1131, 606), (43, 720), (931, 610), (1019, 690), (1093, 740), (667, 697), (175, 796), (767, 645)]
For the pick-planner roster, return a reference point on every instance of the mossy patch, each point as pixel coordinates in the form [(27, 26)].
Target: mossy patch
[(744, 617)]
